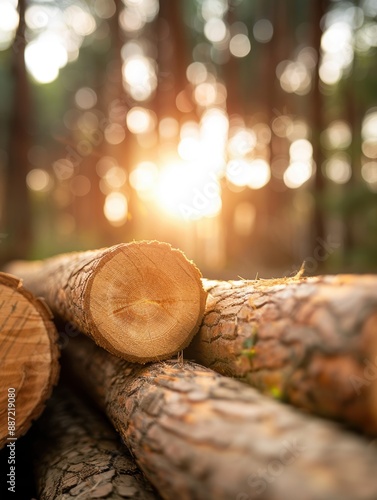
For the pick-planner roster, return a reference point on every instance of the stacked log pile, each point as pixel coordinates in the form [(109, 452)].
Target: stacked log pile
[(307, 346)]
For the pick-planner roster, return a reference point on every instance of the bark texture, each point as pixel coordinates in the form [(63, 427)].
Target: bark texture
[(199, 435), (77, 454), (142, 301), (311, 342), (28, 358)]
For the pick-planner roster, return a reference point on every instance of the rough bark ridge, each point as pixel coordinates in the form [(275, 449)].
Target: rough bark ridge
[(309, 341), (29, 354), (199, 435), (142, 301), (77, 454)]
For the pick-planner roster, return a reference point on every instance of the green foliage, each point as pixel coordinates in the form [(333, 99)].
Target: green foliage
[(248, 345)]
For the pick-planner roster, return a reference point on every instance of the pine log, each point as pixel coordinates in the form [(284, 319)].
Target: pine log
[(198, 435), (28, 358), (77, 454), (142, 301), (311, 342)]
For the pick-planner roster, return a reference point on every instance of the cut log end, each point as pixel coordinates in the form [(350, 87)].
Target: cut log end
[(152, 299), (29, 357)]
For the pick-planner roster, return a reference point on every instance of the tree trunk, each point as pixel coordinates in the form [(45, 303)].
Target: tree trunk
[(311, 341), (173, 58), (142, 301), (17, 205), (77, 454), (199, 435), (28, 358), (316, 118)]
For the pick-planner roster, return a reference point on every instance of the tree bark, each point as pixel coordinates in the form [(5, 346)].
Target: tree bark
[(199, 435), (77, 454), (142, 301), (28, 358), (310, 341)]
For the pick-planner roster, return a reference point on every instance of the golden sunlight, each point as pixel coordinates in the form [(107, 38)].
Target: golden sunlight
[(139, 76), (140, 120), (298, 173), (8, 17), (116, 208), (45, 56), (38, 180), (143, 179), (187, 191)]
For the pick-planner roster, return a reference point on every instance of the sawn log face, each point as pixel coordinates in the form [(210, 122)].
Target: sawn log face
[(29, 366)]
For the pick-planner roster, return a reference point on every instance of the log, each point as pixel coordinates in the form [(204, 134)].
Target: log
[(77, 454), (198, 435), (142, 301), (311, 342), (28, 358)]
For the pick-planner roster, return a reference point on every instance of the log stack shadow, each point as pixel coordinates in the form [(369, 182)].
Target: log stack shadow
[(77, 454)]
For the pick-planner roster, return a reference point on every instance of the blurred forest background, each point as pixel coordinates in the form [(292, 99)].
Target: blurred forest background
[(242, 131)]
